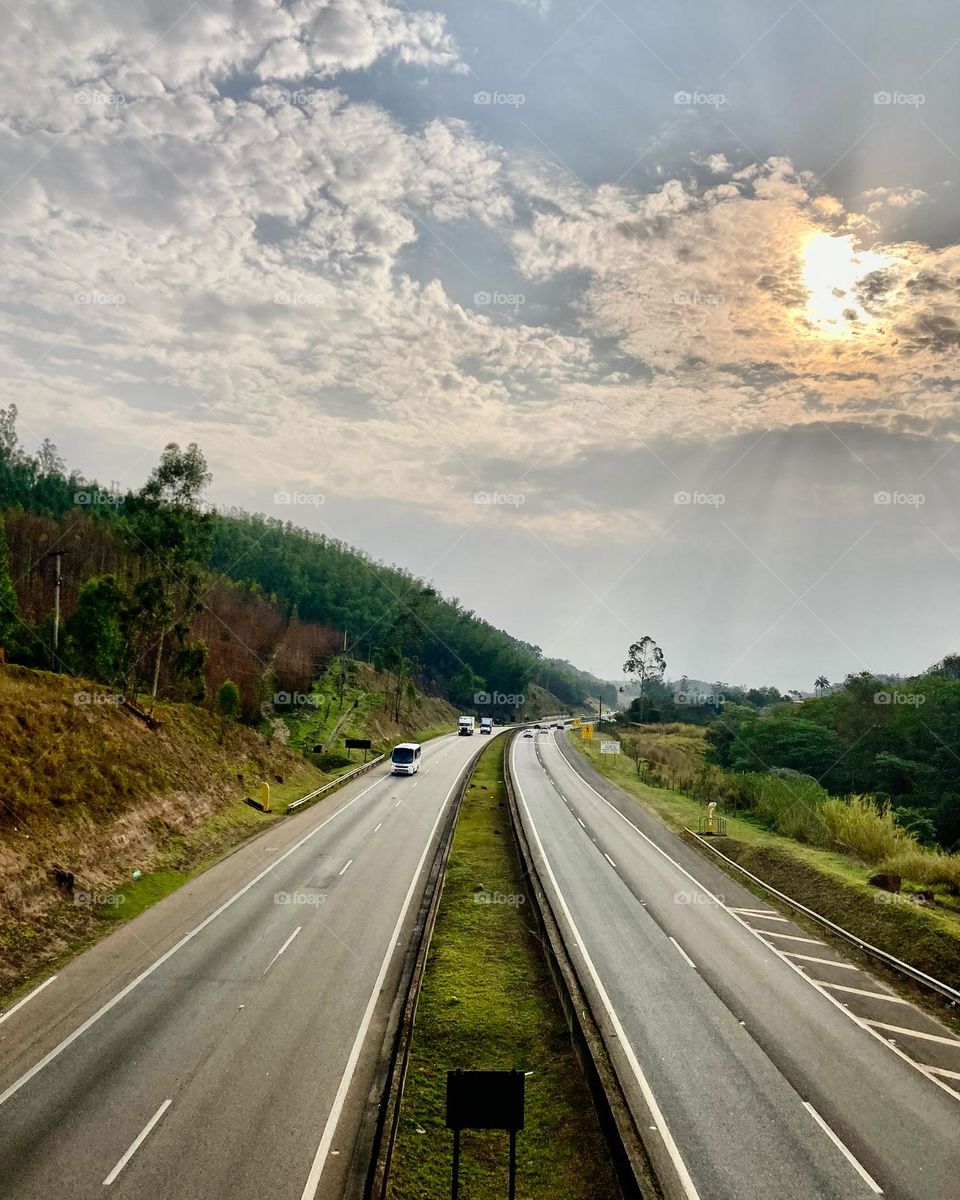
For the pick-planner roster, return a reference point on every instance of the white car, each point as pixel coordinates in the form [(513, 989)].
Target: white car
[(528, 733)]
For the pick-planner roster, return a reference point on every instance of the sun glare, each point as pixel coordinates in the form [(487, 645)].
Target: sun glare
[(832, 269)]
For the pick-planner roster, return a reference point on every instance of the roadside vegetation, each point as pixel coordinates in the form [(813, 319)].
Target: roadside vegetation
[(488, 1002)]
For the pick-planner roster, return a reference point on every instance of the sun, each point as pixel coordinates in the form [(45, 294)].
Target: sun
[(832, 269)]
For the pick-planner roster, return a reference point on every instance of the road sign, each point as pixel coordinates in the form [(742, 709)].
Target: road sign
[(358, 743), (609, 747), (586, 733), (484, 1100)]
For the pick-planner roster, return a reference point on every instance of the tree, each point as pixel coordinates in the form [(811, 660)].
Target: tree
[(165, 523), (645, 662), (49, 461), (95, 642), (821, 684), (9, 612), (228, 704)]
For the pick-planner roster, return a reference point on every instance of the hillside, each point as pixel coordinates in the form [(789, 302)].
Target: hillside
[(92, 795)]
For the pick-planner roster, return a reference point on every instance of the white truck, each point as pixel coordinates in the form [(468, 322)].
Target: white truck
[(486, 724), (465, 726)]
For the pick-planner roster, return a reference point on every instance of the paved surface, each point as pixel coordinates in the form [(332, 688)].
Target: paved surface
[(223, 1044), (752, 1076)]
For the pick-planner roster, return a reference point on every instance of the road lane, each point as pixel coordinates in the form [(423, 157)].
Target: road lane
[(253, 1050), (812, 1052)]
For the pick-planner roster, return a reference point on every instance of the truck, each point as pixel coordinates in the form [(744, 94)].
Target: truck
[(465, 726), (486, 724)]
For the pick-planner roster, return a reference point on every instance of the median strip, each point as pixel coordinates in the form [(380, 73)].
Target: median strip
[(487, 1002)]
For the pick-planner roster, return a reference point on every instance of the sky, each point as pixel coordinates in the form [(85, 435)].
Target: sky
[(608, 319)]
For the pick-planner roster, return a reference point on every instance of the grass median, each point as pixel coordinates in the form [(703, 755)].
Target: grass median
[(488, 1003)]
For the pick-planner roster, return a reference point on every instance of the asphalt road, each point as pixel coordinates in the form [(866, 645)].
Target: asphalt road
[(752, 1080), (223, 1044)]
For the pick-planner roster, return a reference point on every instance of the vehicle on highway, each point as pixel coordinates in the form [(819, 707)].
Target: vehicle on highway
[(528, 733), (486, 724), (465, 726), (405, 759)]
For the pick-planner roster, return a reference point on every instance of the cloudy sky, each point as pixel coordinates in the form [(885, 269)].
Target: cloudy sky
[(611, 319)]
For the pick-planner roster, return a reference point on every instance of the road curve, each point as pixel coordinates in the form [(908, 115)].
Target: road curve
[(224, 1042), (761, 1084)]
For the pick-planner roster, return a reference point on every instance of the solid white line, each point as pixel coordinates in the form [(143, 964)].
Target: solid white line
[(827, 962), (791, 937), (343, 870), (839, 987), (861, 1170), (28, 996), (680, 1167), (188, 937), (683, 952), (755, 912), (330, 1128), (918, 1033), (940, 1071), (282, 948), (137, 1143), (784, 955), (609, 859)]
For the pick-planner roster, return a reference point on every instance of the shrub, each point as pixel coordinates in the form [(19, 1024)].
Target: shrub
[(331, 760)]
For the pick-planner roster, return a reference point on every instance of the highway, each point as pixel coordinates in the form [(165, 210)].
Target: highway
[(223, 1044), (747, 1073)]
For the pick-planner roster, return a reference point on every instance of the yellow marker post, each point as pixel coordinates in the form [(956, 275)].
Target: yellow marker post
[(265, 797)]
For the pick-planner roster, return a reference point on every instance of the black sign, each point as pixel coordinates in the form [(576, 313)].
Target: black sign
[(358, 743), (485, 1100)]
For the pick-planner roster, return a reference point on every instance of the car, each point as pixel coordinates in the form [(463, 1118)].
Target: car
[(528, 733)]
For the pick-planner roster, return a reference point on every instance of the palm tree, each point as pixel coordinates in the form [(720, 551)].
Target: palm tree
[(821, 685)]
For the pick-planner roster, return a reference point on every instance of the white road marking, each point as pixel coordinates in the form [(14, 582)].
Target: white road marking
[(28, 996), (377, 828), (940, 1071), (137, 1143), (784, 955), (609, 860), (927, 1037), (792, 937), (580, 823), (320, 1158), (858, 1167), (187, 937), (343, 870), (827, 962), (282, 948), (839, 987), (689, 960), (670, 1145), (756, 912)]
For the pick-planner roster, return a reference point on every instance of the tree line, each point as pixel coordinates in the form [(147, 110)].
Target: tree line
[(163, 595)]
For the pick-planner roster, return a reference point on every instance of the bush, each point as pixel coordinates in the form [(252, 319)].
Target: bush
[(864, 829), (331, 761)]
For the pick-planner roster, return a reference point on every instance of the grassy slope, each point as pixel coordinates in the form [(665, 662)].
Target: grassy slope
[(90, 789), (830, 883), (488, 1002)]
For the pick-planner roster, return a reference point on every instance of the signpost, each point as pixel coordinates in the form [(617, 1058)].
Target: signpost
[(363, 744), (484, 1100), (586, 733), (609, 747)]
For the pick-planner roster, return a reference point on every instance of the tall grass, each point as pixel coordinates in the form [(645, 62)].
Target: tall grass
[(794, 806)]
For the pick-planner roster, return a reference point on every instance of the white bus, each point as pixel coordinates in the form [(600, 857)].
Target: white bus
[(405, 759)]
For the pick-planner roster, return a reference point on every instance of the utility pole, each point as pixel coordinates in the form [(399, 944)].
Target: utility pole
[(56, 555)]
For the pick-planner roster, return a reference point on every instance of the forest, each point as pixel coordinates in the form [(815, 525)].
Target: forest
[(162, 594)]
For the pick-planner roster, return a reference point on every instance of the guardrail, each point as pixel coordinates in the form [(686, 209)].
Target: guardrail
[(889, 960), (295, 804)]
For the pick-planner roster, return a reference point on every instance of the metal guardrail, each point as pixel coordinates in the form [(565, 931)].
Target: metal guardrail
[(889, 960), (295, 804)]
